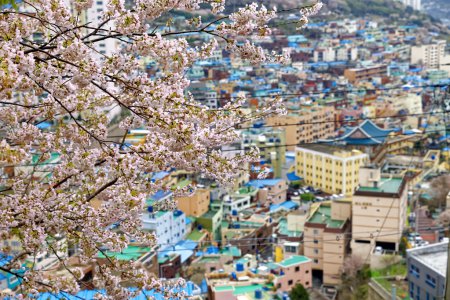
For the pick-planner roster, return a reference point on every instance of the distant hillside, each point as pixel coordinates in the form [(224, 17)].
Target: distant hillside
[(438, 9)]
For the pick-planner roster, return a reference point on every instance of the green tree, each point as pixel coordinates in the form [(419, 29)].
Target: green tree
[(299, 293), (307, 197)]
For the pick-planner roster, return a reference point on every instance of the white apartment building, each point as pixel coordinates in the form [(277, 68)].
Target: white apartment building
[(169, 227), (235, 202), (415, 4), (430, 55)]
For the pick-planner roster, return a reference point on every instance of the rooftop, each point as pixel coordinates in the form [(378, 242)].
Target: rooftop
[(195, 235), (231, 251), (283, 229), (248, 190), (209, 214), (264, 182), (386, 185), (182, 184), (129, 253), (323, 216), (434, 256), (322, 148), (294, 260)]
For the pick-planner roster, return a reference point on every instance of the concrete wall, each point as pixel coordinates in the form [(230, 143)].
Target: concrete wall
[(301, 273)]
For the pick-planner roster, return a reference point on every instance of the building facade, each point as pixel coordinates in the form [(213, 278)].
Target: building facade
[(326, 239), (358, 74), (169, 227), (332, 169), (427, 271), (306, 124), (430, 55), (196, 204), (378, 211)]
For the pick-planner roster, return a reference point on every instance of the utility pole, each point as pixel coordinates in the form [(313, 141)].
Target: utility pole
[(446, 110)]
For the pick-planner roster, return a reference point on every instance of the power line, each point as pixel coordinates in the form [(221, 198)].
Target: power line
[(320, 93), (326, 142)]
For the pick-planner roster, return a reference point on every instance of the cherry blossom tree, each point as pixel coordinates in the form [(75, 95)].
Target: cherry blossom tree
[(62, 77)]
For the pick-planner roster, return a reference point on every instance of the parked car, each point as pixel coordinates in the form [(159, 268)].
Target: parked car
[(378, 250)]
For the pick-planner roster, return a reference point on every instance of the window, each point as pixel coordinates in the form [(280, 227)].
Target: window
[(316, 251), (297, 269), (315, 231), (414, 271), (316, 261), (316, 241), (430, 281), (411, 289), (290, 282)]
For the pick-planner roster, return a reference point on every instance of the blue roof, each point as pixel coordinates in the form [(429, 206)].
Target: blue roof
[(5, 259), (292, 177), (159, 175), (160, 195), (90, 294), (374, 135), (260, 183), (188, 244), (182, 248), (287, 205)]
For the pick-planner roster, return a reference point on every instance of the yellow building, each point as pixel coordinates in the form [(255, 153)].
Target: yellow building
[(326, 238), (332, 169), (306, 125), (196, 204)]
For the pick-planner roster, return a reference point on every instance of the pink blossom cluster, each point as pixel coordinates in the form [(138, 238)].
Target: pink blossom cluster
[(64, 79)]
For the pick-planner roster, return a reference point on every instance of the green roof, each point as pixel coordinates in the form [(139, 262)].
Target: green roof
[(183, 183), (294, 260), (223, 288), (323, 216), (209, 214), (129, 253), (386, 185), (244, 289), (283, 229), (195, 235), (205, 259), (232, 251), (248, 191), (35, 158), (241, 289)]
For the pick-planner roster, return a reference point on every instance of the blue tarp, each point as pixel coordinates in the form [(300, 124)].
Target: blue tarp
[(44, 125)]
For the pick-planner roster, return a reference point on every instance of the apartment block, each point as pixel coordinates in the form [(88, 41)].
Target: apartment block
[(427, 271), (429, 55), (270, 190), (359, 74), (334, 170), (169, 227), (196, 204), (327, 238), (296, 269), (306, 124), (379, 212), (271, 144)]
